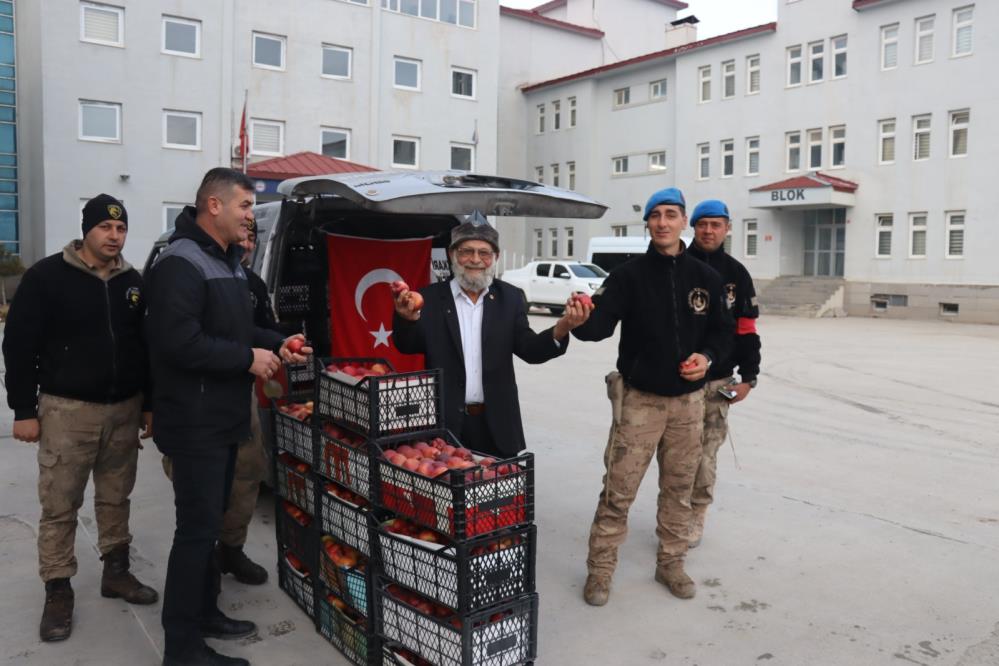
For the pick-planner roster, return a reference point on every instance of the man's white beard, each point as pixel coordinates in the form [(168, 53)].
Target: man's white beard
[(477, 283)]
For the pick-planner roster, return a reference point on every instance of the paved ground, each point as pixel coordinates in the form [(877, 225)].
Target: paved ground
[(860, 524)]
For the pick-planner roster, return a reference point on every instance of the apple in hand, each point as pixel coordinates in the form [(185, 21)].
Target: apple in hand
[(295, 345), (582, 299), (416, 300)]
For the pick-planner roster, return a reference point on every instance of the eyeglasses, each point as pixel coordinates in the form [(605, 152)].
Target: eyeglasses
[(469, 252)]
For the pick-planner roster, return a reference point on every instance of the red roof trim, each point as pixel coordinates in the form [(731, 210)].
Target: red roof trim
[(809, 181), (302, 164), (529, 15), (704, 43), (548, 6)]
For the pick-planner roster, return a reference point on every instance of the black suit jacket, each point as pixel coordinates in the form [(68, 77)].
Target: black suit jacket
[(505, 332)]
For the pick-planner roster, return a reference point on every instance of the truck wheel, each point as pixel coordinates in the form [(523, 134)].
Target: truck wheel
[(556, 310)]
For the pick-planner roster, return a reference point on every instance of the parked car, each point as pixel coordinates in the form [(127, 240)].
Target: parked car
[(550, 283)]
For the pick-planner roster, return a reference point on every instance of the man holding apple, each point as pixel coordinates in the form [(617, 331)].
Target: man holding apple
[(471, 327), (205, 350), (674, 326), (712, 223)]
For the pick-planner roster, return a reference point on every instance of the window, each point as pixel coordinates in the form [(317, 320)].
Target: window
[(268, 51), (556, 115), (752, 75), (704, 87), (917, 235), (657, 161), (182, 129), (793, 66), (620, 165), (793, 143), (570, 248), (462, 157), (921, 137), (886, 143), (728, 157), (572, 112), (882, 246), (619, 230), (889, 46), (102, 24), (455, 12), (751, 237), (962, 37), (555, 174), (955, 234), (543, 269), (170, 213), (752, 156), (405, 152), (839, 56), (337, 61), (657, 89), (100, 121), (267, 137), (541, 118), (622, 96), (570, 170), (816, 61), (539, 174), (837, 145), (924, 40), (553, 237), (463, 82), (335, 142), (728, 79), (814, 149), (703, 161), (539, 244), (959, 132), (407, 73), (181, 37)]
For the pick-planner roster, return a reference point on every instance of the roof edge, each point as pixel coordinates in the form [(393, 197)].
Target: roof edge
[(529, 15)]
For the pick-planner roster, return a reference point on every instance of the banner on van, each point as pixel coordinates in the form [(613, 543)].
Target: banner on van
[(361, 305)]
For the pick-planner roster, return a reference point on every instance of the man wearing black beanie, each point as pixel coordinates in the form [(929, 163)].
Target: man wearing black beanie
[(77, 382)]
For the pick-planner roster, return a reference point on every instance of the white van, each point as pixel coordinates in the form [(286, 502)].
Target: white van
[(609, 252)]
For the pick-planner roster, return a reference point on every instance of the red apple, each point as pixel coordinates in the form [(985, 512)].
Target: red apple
[(416, 300), (412, 464), (582, 299), (295, 345)]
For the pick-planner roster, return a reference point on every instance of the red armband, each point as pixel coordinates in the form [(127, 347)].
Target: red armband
[(745, 326)]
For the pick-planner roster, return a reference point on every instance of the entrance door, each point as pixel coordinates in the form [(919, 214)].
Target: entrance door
[(825, 241)]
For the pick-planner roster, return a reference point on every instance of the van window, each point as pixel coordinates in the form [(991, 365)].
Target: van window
[(561, 271), (543, 270), (587, 270)]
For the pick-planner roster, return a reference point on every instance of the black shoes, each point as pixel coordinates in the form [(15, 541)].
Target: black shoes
[(57, 616), (232, 560), (204, 657), (227, 629)]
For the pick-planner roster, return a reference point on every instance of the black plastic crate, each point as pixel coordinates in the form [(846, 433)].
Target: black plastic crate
[(292, 299), (344, 520), (293, 435), (352, 636), (467, 575), (501, 635), (350, 583), (297, 534), (383, 405), (301, 377), (343, 457), (459, 503), (294, 483), (394, 654), (299, 585)]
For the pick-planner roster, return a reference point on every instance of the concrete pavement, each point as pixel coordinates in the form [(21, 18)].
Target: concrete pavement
[(859, 525)]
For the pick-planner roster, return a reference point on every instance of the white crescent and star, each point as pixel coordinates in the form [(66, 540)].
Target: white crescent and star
[(377, 276)]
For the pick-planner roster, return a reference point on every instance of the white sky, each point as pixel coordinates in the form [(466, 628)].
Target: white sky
[(717, 16)]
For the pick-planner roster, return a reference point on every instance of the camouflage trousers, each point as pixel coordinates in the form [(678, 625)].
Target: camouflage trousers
[(251, 469), (79, 438), (670, 429), (715, 430)]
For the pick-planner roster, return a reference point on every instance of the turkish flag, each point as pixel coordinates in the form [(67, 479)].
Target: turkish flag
[(361, 304)]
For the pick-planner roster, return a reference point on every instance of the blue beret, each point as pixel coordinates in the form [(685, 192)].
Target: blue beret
[(709, 208), (670, 195)]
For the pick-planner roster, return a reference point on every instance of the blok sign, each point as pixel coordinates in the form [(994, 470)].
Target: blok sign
[(788, 195), (361, 304)]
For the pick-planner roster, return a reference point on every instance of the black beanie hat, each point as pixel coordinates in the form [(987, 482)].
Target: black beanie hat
[(100, 208)]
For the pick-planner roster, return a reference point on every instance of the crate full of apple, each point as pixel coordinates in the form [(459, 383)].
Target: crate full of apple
[(344, 570), (343, 514), (295, 578), (347, 630), (296, 532), (293, 429), (343, 456), (368, 396), (436, 482), (294, 481)]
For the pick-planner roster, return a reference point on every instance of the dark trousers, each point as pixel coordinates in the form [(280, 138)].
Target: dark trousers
[(202, 480), (475, 435)]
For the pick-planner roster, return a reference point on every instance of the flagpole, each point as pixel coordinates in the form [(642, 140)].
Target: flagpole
[(244, 139)]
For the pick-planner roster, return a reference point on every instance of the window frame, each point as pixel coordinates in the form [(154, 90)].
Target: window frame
[(197, 128), (726, 149), (622, 97), (660, 85), (788, 146), (887, 41), (169, 205), (263, 121), (120, 11), (913, 228), (790, 62), (539, 242), (654, 165), (880, 229), (570, 171), (555, 174), (704, 84), (99, 139), (751, 232), (955, 26), (820, 59), (617, 163), (570, 243), (752, 69), (837, 51), (810, 143), (750, 152), (950, 227), (553, 242), (343, 130), (572, 111), (396, 61), (703, 160), (833, 142), (463, 146), (917, 131), (283, 40), (539, 174), (556, 115), (728, 76), (954, 128), (475, 82), (350, 62), (919, 33), (883, 135), (415, 140), (540, 124), (196, 24)]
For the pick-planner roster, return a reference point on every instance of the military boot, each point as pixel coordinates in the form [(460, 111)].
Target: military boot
[(672, 576), (57, 617), (233, 560), (597, 589), (117, 581)]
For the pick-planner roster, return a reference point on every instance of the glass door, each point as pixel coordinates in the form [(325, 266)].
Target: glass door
[(825, 242)]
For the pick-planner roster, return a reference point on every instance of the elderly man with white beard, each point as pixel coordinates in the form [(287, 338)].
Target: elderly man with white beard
[(471, 327)]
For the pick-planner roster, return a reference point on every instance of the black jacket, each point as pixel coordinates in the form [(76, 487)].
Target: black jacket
[(201, 331), (263, 313), (669, 308), (505, 332), (740, 295), (72, 334)]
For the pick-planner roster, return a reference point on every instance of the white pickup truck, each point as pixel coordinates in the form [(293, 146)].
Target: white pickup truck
[(550, 283)]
